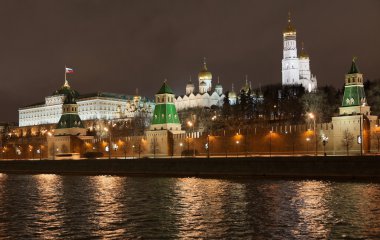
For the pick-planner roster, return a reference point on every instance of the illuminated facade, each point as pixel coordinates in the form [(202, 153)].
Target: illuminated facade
[(206, 95), (95, 106), (296, 69)]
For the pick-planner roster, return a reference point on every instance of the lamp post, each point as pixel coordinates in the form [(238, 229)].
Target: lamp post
[(50, 135), (208, 146), (109, 142), (133, 151), (237, 149), (324, 141), (181, 145), (311, 116), (307, 145), (270, 143), (191, 124)]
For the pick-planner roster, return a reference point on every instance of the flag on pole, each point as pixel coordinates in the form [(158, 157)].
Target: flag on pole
[(69, 70)]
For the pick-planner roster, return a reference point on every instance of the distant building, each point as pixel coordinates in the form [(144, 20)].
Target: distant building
[(206, 96), (296, 69), (95, 106)]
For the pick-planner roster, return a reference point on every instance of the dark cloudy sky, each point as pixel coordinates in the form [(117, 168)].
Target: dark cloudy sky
[(121, 45)]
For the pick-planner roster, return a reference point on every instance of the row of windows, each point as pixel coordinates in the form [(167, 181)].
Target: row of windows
[(162, 99)]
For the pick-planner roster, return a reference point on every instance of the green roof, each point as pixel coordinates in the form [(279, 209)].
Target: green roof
[(353, 96), (70, 121), (165, 113), (354, 69), (165, 89)]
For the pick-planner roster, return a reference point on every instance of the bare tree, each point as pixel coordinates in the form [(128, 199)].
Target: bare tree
[(348, 140)]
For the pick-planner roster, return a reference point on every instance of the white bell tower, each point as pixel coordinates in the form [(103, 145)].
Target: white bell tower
[(290, 62)]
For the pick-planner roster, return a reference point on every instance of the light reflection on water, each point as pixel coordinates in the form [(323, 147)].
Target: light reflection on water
[(56, 207)]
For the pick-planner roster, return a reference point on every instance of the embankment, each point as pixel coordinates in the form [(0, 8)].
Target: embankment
[(365, 167)]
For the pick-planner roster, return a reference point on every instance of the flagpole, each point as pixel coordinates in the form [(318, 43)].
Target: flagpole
[(65, 74)]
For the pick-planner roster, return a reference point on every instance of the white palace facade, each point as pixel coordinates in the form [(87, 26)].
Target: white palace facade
[(95, 106), (296, 69), (206, 96)]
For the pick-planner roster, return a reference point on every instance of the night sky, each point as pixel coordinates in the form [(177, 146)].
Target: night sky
[(118, 46)]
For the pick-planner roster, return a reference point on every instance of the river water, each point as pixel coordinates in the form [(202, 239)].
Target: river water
[(97, 207)]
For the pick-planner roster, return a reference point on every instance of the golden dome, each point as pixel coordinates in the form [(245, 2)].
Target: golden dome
[(289, 29), (204, 74)]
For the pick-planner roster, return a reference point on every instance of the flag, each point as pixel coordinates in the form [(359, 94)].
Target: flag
[(69, 70)]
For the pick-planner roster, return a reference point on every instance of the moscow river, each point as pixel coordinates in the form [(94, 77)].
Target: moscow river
[(72, 207)]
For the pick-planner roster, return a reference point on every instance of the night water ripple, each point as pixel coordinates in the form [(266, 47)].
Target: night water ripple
[(97, 207)]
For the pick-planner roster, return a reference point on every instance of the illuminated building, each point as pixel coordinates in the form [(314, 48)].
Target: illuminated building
[(95, 106), (206, 95), (296, 69)]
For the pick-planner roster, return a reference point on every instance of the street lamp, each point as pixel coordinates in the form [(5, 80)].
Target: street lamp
[(307, 145), (324, 141), (133, 151), (237, 149), (311, 116), (181, 145), (270, 143), (50, 135), (191, 124), (109, 142)]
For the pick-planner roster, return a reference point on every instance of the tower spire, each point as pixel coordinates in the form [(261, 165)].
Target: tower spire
[(204, 64)]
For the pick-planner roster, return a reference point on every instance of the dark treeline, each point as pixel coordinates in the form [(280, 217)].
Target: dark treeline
[(275, 105)]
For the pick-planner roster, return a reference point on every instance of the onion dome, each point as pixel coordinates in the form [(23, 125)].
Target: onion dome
[(232, 93), (303, 54), (204, 74), (289, 29), (190, 84)]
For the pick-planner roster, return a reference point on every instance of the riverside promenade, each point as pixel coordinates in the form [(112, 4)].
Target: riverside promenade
[(345, 167)]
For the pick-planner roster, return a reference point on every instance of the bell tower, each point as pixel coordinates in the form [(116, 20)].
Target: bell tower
[(290, 62)]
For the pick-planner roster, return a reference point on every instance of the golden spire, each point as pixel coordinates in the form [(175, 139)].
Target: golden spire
[(289, 29), (204, 64)]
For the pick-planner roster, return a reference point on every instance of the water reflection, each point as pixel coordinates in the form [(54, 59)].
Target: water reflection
[(311, 202), (108, 200), (72, 207), (47, 205)]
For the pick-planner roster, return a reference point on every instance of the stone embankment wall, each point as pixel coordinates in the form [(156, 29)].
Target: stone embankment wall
[(309, 167)]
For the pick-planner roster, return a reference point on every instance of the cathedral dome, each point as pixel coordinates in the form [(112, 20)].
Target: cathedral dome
[(190, 85), (204, 74), (218, 86), (232, 94)]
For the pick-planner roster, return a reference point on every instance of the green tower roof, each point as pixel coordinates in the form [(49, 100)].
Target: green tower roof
[(165, 89), (354, 69), (165, 113), (70, 121)]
